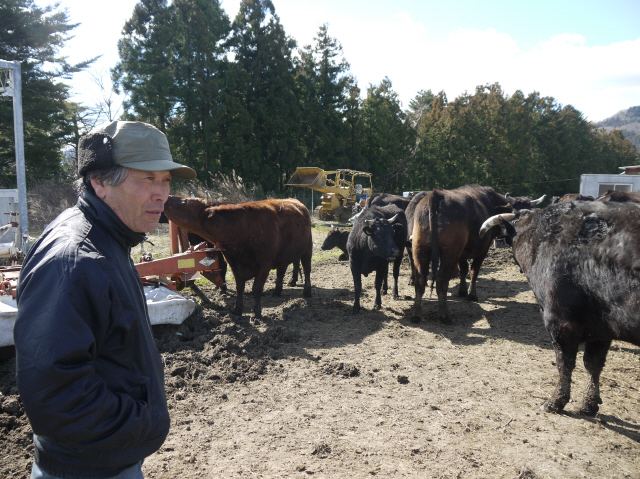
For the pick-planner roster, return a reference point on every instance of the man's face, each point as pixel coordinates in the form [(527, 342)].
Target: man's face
[(138, 200)]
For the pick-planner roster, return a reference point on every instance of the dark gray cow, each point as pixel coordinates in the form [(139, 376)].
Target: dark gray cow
[(378, 236), (582, 260)]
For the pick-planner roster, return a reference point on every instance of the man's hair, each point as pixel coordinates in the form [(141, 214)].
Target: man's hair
[(112, 176)]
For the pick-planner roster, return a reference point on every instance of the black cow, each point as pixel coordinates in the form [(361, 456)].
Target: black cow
[(337, 238), (377, 237), (582, 261), (384, 199), (523, 202)]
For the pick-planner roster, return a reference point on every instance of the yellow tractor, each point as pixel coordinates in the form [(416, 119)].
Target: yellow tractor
[(341, 193)]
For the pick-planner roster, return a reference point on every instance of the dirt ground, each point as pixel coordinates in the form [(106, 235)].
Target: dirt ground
[(310, 391)]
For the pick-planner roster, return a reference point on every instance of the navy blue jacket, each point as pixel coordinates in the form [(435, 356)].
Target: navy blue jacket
[(88, 371)]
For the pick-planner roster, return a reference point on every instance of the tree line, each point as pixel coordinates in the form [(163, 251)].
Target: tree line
[(241, 95)]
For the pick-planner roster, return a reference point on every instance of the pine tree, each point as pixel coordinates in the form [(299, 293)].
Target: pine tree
[(324, 85), (33, 36), (145, 71), (266, 91)]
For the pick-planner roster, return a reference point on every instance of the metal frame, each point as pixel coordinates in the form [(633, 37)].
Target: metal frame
[(11, 85)]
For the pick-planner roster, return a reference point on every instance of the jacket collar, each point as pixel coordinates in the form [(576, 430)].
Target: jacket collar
[(98, 212)]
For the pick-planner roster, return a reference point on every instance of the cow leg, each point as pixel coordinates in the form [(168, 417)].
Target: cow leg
[(295, 274), (475, 272), (280, 272), (381, 277), (385, 285), (357, 286), (463, 266), (305, 260), (566, 352), (595, 355), (396, 274), (237, 311), (442, 285), (421, 268), (412, 278), (258, 287)]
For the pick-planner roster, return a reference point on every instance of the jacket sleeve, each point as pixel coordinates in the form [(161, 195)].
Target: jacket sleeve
[(63, 316)]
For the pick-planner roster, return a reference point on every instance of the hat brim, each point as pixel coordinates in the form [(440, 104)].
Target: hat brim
[(177, 170)]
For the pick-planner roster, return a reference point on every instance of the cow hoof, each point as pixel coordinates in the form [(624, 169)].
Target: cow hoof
[(473, 297), (553, 406), (292, 283), (306, 293), (463, 293), (589, 406), (396, 296), (383, 293), (377, 307)]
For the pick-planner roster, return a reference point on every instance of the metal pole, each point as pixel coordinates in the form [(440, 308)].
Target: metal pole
[(16, 84)]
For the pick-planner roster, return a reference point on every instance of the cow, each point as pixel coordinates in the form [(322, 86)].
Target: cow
[(523, 202), (384, 199), (620, 196), (582, 262), (445, 236), (377, 237), (255, 237), (337, 238), (409, 213), (571, 197)]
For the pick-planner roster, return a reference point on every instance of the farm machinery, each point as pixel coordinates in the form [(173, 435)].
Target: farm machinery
[(343, 190)]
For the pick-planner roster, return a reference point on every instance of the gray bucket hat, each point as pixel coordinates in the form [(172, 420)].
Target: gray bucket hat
[(133, 144)]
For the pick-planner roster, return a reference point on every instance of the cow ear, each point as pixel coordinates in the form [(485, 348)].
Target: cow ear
[(397, 228), (367, 230)]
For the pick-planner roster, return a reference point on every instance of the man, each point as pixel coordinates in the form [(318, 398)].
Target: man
[(88, 371)]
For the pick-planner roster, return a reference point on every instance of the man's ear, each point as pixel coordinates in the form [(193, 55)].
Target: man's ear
[(99, 188)]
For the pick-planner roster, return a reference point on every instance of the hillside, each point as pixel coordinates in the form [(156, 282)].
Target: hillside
[(628, 121)]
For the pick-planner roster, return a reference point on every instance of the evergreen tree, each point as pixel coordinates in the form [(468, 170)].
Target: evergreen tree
[(324, 85), (33, 36), (266, 91), (199, 31), (388, 138), (145, 71)]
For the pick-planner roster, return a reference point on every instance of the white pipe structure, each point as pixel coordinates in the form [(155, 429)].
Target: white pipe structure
[(15, 90)]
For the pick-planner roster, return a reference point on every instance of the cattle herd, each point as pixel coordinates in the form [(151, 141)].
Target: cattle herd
[(580, 256)]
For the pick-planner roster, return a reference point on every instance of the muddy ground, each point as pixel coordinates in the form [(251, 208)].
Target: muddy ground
[(310, 391)]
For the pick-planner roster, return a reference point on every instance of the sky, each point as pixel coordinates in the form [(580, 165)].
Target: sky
[(583, 53)]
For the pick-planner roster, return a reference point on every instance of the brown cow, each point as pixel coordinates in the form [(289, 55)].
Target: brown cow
[(570, 197), (446, 234), (620, 196), (255, 237)]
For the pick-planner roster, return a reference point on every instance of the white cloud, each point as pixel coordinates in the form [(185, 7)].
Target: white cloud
[(597, 80)]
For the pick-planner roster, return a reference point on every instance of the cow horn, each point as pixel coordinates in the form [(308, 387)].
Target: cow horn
[(392, 220), (369, 222), (509, 199), (208, 201), (539, 200), (494, 221)]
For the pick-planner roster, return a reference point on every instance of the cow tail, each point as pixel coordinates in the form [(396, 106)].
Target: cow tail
[(435, 237)]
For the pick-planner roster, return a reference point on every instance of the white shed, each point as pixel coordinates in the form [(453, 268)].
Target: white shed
[(596, 185)]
